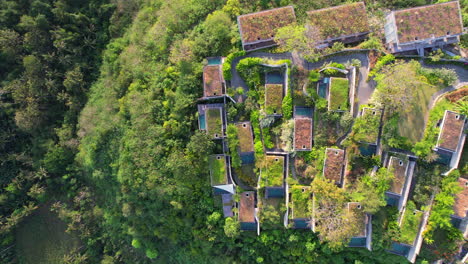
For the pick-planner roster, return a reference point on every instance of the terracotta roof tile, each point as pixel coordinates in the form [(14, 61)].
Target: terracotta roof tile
[(451, 130), (334, 162), (247, 207), (302, 133)]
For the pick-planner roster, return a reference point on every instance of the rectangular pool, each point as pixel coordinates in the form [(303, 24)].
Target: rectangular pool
[(214, 61), (274, 78), (201, 121)]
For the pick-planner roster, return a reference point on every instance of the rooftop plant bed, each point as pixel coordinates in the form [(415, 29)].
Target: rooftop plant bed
[(410, 224), (244, 133), (217, 165), (273, 98), (366, 127), (340, 21), (271, 213), (301, 197), (309, 164), (213, 80), (339, 93), (423, 22), (272, 175), (263, 25), (214, 122), (329, 126)]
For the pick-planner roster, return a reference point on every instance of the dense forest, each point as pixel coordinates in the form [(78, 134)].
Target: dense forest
[(97, 114)]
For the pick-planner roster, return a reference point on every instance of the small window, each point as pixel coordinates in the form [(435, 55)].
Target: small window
[(373, 112), (303, 189), (274, 111), (246, 195), (272, 35), (339, 107), (336, 152), (414, 212), (401, 163), (216, 135), (448, 32), (244, 125), (219, 157), (457, 117)]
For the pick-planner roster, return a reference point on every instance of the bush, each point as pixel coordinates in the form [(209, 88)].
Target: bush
[(333, 71), (287, 106), (233, 142), (228, 62), (314, 76), (389, 58), (372, 43)]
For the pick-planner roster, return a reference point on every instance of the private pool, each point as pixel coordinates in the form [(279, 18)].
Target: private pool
[(201, 121), (214, 61), (274, 78), (303, 111), (322, 87)]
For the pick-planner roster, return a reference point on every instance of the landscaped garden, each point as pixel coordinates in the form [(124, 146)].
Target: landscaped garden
[(217, 165), (366, 127), (244, 133), (339, 94), (214, 122)]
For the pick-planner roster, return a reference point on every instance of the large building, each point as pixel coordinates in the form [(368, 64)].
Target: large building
[(417, 28)]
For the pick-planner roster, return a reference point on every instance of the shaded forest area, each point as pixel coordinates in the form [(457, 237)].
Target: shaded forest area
[(97, 114)]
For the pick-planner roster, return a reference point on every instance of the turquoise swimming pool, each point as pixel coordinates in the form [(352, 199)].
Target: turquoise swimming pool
[(202, 122), (303, 111), (322, 87), (214, 61), (274, 78)]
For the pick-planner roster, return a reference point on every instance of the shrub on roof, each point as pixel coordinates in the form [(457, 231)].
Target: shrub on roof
[(314, 76), (331, 72), (287, 106), (382, 61), (233, 142)]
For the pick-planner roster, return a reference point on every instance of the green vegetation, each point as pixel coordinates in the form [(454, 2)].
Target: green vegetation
[(41, 239), (287, 106), (234, 141), (274, 99), (218, 170), (339, 94), (410, 223), (301, 201), (228, 62), (366, 127), (273, 174), (214, 123)]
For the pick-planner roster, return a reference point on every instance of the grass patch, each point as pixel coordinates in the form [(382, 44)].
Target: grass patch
[(339, 93), (272, 175), (273, 98), (218, 170), (410, 224), (247, 174), (214, 122), (300, 201), (411, 123), (245, 137), (366, 128), (41, 239)]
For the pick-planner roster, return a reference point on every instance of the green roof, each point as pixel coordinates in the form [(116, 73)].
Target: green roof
[(339, 93), (272, 175), (301, 197), (410, 224), (217, 165), (273, 98), (214, 122)]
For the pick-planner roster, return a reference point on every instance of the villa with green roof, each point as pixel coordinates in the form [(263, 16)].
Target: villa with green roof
[(212, 119), (272, 177), (451, 138), (364, 237), (299, 207), (334, 165), (402, 167)]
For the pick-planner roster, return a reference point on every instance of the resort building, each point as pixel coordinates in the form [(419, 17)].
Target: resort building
[(258, 30), (213, 80), (246, 143), (369, 143), (248, 213), (212, 119), (451, 138), (345, 23), (273, 175), (221, 181), (302, 129), (299, 213), (417, 28), (334, 166), (402, 167), (364, 237)]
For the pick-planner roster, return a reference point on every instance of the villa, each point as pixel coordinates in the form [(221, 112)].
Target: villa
[(364, 237), (460, 208), (221, 181), (248, 213), (369, 143), (451, 138), (417, 28), (272, 177), (345, 23), (302, 129), (299, 213), (334, 165), (258, 29), (212, 119), (213, 81), (402, 167)]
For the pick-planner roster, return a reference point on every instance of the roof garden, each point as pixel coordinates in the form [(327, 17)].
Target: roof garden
[(302, 133), (399, 167), (460, 207), (356, 209), (410, 224), (339, 93), (334, 162), (451, 131), (372, 120), (273, 99), (340, 21), (273, 174), (244, 133), (247, 207), (300, 199), (262, 26), (217, 164), (428, 21), (214, 123), (213, 80)]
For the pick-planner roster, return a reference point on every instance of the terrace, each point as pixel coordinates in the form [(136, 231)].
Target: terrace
[(301, 197), (334, 165), (347, 23), (273, 174), (247, 217), (273, 99), (302, 133), (424, 26), (258, 30), (213, 81), (339, 94), (451, 131)]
